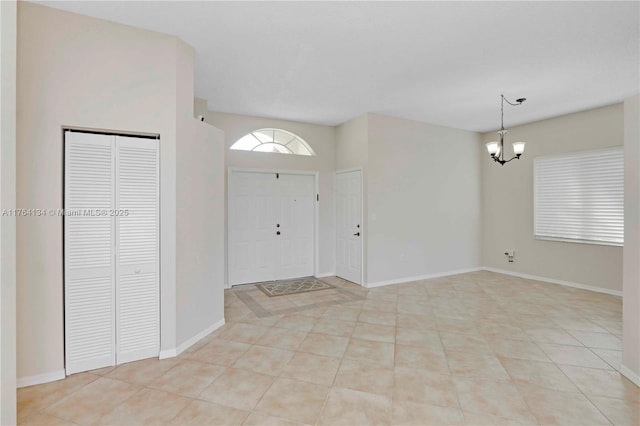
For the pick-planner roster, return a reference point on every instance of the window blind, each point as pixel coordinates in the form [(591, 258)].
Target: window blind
[(579, 197)]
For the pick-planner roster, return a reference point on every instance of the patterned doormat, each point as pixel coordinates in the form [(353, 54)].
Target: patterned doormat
[(263, 305), (298, 285)]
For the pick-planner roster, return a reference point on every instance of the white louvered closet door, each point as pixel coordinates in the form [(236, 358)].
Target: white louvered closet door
[(111, 247), (137, 238), (89, 252)]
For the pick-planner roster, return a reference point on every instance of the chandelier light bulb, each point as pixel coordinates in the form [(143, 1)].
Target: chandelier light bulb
[(493, 148), (518, 148)]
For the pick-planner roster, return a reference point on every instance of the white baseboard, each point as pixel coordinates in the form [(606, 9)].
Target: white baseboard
[(39, 379), (421, 277), (168, 353), (192, 341), (325, 274), (165, 353), (555, 281), (626, 372), (174, 352)]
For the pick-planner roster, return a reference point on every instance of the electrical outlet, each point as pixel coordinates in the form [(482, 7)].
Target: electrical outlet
[(510, 254)]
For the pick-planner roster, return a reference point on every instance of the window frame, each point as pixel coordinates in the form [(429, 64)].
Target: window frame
[(577, 156), (294, 138)]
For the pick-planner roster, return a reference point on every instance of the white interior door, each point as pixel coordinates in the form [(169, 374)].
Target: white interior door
[(349, 226), (252, 227), (137, 246), (89, 252), (111, 248), (271, 226), (294, 243)]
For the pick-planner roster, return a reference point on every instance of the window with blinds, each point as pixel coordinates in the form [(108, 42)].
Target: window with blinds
[(579, 197)]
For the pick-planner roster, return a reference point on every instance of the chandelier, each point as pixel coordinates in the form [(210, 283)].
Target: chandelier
[(496, 148)]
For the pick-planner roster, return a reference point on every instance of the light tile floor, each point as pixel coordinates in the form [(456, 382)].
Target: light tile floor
[(477, 349)]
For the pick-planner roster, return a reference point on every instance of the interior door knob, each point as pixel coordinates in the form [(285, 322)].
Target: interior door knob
[(278, 233), (357, 234)]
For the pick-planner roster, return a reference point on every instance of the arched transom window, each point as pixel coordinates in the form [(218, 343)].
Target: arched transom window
[(273, 140)]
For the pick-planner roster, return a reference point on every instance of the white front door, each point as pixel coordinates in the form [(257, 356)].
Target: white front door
[(271, 222), (252, 227), (349, 226), (294, 243)]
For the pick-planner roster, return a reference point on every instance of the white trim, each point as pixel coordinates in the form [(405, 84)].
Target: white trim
[(168, 353), (555, 281), (39, 379), (422, 277), (325, 274), (575, 240), (174, 352), (192, 341), (316, 224), (362, 230), (231, 169), (629, 374), (352, 169)]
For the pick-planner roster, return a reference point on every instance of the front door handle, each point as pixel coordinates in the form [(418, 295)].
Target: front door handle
[(357, 234)]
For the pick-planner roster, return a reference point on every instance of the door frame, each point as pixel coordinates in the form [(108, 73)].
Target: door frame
[(114, 133), (335, 219), (316, 211)]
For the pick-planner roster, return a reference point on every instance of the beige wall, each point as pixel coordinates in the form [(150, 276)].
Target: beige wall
[(423, 199), (199, 213), (352, 151), (200, 230), (352, 143), (83, 72), (199, 107), (321, 139), (631, 283), (8, 17), (508, 201)]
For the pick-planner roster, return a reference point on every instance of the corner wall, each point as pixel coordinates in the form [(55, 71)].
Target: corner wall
[(507, 193), (199, 215), (200, 230), (423, 200), (631, 262)]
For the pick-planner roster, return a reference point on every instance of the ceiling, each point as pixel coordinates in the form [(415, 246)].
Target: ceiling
[(438, 62)]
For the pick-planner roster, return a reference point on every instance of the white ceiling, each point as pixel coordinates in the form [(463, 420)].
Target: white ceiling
[(438, 62)]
